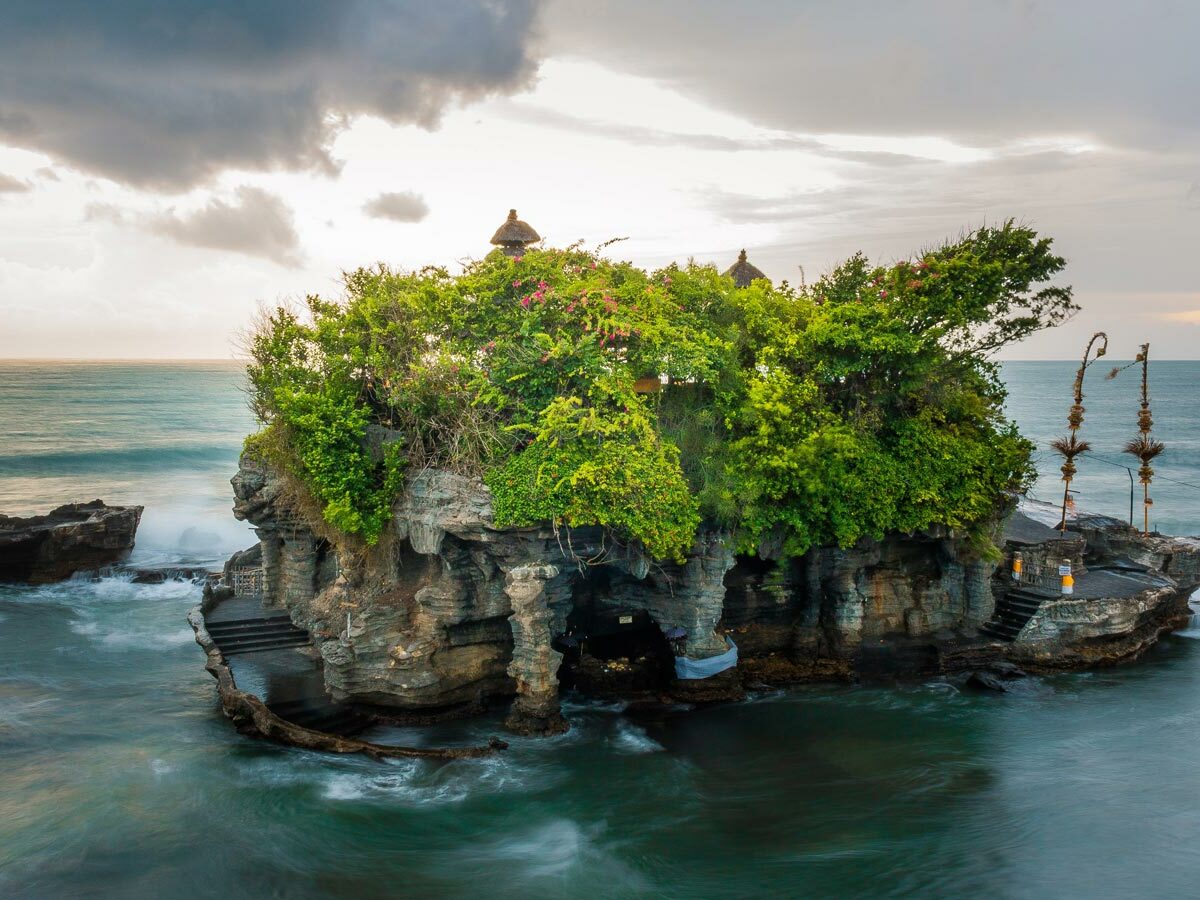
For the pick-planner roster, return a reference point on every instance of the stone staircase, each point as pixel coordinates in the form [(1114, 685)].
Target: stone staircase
[(241, 626), (1014, 610), (269, 631)]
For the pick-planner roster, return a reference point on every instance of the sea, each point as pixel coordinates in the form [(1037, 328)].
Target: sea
[(120, 778)]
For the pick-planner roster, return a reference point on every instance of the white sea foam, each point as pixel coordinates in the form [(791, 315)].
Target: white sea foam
[(560, 851), (631, 738), (413, 782), (1193, 629)]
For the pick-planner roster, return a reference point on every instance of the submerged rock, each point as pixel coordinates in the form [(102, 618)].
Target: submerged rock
[(986, 681), (74, 538)]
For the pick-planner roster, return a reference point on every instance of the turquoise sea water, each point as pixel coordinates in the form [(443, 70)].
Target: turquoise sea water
[(120, 778)]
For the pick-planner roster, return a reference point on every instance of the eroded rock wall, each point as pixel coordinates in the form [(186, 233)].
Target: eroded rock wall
[(449, 610)]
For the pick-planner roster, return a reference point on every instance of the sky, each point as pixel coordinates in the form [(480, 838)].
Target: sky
[(168, 169)]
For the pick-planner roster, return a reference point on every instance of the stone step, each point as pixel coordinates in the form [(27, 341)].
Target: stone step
[(273, 619), (1001, 630), (276, 643), (1022, 612), (1033, 593), (1014, 609), (251, 631)]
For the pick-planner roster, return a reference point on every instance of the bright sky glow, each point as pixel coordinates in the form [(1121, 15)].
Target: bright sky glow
[(90, 267)]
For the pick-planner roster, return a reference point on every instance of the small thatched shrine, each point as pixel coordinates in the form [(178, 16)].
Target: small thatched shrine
[(514, 235), (742, 272)]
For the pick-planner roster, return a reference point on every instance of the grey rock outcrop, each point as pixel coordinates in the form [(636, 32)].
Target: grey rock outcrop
[(74, 538), (448, 611), (1080, 633)]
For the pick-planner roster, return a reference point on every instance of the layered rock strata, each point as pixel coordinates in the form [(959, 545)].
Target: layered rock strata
[(78, 537), (449, 611)]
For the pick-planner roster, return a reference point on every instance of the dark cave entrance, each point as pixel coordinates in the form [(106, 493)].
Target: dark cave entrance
[(611, 648)]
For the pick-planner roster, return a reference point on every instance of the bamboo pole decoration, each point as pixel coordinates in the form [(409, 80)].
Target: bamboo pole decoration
[(1144, 447), (1070, 446)]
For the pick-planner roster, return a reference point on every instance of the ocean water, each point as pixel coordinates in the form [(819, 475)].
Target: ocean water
[(120, 778), (1040, 394)]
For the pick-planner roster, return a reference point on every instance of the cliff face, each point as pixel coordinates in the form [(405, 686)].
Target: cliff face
[(450, 611)]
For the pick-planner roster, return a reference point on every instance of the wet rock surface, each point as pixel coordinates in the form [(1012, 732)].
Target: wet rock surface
[(78, 537), (450, 613)]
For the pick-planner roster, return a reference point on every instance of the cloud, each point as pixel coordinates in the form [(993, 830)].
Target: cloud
[(1190, 316), (256, 223), (404, 206), (11, 185), (166, 95), (974, 70)]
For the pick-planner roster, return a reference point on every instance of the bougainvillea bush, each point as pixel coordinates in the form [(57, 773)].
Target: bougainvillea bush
[(588, 392)]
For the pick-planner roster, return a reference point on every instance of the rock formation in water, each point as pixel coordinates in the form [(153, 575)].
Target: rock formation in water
[(837, 430), (73, 538), (450, 612), (1129, 589)]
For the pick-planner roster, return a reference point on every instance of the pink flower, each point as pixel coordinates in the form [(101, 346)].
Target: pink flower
[(571, 307), (542, 285), (517, 259), (593, 265), (525, 302), (883, 293), (517, 283)]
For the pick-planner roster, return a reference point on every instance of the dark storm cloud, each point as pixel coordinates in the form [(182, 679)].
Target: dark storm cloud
[(404, 206), (983, 70), (255, 223), (166, 94)]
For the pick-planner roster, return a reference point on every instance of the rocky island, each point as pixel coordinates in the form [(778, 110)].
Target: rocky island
[(554, 471), (73, 538)]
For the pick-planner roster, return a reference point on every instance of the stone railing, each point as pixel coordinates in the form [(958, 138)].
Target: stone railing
[(1035, 574)]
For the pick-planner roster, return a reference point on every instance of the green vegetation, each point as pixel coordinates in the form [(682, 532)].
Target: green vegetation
[(589, 392)]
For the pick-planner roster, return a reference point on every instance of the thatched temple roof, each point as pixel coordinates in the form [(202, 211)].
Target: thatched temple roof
[(514, 234), (742, 272)]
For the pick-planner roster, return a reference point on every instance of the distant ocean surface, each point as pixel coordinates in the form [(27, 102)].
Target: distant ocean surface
[(119, 777), (163, 435)]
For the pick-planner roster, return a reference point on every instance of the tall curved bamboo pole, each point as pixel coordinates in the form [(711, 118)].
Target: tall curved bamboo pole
[(1071, 446), (1144, 447)]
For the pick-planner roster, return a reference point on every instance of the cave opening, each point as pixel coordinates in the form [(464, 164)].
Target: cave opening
[(612, 648)]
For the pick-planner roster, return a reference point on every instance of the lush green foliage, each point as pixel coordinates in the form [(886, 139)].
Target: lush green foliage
[(863, 404)]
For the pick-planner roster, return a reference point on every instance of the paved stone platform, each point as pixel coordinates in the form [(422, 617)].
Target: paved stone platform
[(287, 677)]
